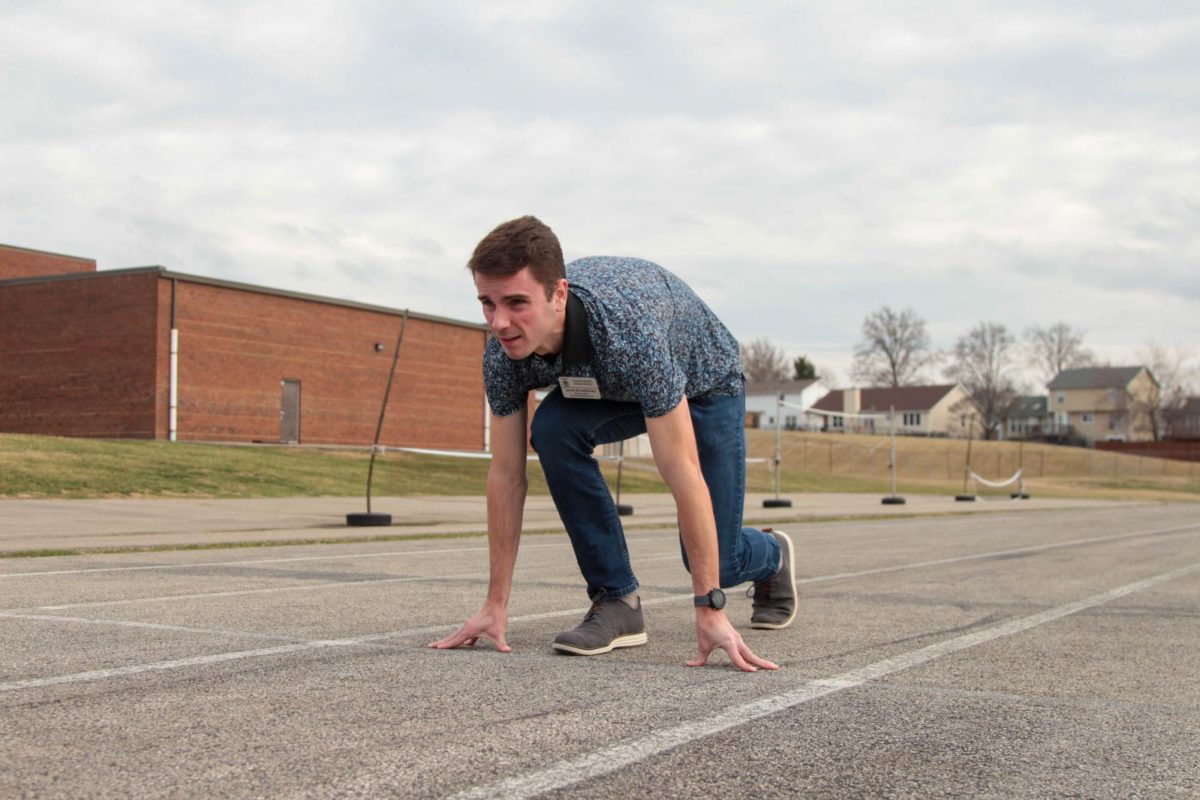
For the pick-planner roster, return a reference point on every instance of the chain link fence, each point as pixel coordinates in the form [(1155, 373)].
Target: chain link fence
[(919, 458)]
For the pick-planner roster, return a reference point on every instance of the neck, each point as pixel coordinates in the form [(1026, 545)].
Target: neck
[(553, 343)]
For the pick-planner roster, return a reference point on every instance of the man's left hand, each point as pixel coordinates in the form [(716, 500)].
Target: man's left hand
[(713, 631)]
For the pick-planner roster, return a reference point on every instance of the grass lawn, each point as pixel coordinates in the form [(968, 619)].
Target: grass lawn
[(47, 466)]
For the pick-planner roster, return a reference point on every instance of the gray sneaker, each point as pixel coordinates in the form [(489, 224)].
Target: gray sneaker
[(609, 624), (775, 598)]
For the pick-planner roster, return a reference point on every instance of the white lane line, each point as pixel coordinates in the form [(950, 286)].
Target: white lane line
[(371, 638), (267, 561), (647, 534), (134, 669), (417, 552), (610, 759), (99, 674), (154, 626), (240, 592), (1037, 548), (410, 579)]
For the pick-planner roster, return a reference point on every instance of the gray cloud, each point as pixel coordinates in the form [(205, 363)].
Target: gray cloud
[(801, 164)]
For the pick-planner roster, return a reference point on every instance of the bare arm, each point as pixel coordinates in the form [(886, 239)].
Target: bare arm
[(674, 443), (506, 489)]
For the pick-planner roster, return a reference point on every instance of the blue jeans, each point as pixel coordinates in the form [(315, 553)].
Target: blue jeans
[(564, 434)]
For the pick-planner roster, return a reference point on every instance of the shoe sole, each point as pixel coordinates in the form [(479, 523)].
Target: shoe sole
[(628, 640), (785, 541)]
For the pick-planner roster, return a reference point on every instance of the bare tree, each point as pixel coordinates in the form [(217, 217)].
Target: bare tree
[(1055, 348), (894, 349), (983, 362), (1178, 375), (763, 361)]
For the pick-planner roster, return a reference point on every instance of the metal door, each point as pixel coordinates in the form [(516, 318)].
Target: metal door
[(289, 412)]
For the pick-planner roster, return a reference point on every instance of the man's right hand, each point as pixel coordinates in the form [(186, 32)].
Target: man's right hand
[(489, 623)]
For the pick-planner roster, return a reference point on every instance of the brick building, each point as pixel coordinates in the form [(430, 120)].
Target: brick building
[(90, 353)]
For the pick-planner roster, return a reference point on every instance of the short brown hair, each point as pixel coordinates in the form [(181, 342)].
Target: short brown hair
[(519, 243)]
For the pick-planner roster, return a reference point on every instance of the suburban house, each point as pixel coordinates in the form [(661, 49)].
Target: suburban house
[(763, 402), (1183, 422), (150, 353), (1027, 417), (1105, 403), (943, 410)]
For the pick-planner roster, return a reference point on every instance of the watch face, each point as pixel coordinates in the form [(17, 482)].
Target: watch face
[(716, 598)]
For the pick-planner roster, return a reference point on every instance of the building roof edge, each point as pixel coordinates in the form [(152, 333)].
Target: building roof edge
[(170, 274), (46, 252)]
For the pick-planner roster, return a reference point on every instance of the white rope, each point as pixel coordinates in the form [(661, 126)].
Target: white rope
[(994, 484), (843, 414), (423, 452), (379, 448), (463, 454)]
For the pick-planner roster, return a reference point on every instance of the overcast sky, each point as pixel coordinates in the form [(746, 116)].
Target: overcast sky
[(800, 164)]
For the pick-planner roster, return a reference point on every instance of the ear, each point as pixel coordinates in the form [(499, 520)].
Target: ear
[(560, 295)]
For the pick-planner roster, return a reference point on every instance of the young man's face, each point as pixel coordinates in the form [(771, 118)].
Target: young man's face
[(520, 315)]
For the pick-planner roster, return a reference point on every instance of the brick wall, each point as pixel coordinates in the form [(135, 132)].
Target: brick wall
[(90, 356), (19, 262), (76, 356), (237, 346)]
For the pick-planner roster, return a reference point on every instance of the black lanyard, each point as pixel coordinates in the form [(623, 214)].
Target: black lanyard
[(577, 344)]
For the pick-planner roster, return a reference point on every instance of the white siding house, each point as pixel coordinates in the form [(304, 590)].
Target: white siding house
[(762, 402)]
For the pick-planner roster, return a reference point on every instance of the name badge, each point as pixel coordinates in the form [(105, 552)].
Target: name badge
[(579, 388)]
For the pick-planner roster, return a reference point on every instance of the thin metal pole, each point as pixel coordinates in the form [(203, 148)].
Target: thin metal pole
[(1021, 494), (620, 464), (778, 440), (1021, 461), (383, 408), (970, 437), (892, 427)]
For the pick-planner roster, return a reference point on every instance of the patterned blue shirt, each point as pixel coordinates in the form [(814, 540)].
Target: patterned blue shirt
[(653, 342)]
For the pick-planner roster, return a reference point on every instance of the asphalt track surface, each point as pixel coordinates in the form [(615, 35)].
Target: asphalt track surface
[(1039, 653)]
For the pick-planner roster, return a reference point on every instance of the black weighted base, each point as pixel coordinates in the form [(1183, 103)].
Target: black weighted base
[(893, 501), (777, 502), (1020, 496), (624, 510), (964, 498), (368, 518)]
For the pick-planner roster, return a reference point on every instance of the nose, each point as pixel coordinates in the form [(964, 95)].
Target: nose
[(499, 319)]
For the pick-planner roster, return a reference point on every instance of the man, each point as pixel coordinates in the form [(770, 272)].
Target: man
[(632, 350)]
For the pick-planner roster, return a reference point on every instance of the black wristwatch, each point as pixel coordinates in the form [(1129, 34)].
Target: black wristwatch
[(714, 599)]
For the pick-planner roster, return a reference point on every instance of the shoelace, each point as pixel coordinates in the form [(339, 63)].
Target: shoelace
[(752, 591)]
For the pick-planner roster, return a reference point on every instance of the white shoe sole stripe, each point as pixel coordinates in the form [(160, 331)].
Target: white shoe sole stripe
[(628, 640)]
